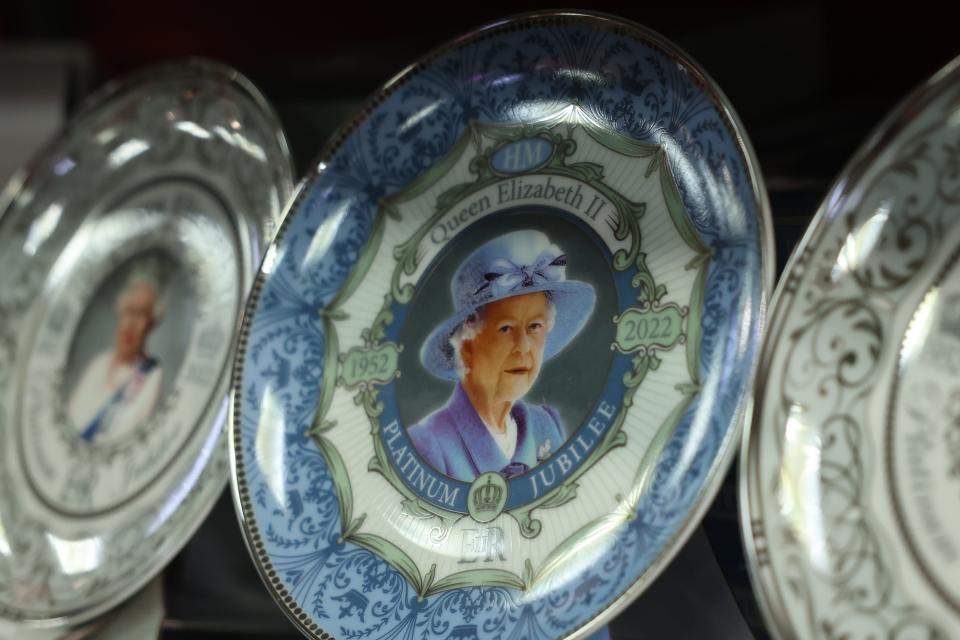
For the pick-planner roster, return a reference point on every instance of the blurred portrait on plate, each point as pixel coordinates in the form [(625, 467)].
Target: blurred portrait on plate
[(127, 348)]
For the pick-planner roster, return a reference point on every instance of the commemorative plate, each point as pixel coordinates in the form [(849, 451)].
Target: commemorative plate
[(851, 477), (495, 361), (126, 251)]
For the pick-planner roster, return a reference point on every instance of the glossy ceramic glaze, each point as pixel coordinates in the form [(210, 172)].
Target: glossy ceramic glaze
[(851, 477), (582, 183), (126, 252)]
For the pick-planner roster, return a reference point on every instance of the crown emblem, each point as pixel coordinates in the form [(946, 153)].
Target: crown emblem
[(487, 497), (950, 316)]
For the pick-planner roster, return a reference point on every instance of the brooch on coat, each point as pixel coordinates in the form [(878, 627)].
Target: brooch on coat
[(543, 451)]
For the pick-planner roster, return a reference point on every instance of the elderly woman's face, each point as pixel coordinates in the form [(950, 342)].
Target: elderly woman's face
[(136, 317), (504, 357)]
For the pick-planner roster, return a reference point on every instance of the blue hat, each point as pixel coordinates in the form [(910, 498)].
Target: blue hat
[(513, 264)]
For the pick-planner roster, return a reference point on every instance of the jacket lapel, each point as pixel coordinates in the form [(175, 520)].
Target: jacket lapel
[(477, 441), (526, 452)]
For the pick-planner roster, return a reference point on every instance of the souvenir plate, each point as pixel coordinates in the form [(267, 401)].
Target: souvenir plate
[(852, 471), (494, 363), (126, 251)]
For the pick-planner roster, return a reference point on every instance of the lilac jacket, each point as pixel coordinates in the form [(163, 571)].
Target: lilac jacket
[(456, 442)]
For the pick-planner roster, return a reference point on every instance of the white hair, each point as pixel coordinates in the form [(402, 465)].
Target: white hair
[(149, 272), (471, 327), (467, 330)]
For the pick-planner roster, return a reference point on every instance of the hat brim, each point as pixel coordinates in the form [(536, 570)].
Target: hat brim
[(573, 300)]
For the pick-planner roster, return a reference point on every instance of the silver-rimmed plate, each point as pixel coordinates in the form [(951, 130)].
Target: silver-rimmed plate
[(126, 252), (494, 364), (851, 474)]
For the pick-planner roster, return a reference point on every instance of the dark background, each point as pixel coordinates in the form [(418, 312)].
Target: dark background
[(809, 80)]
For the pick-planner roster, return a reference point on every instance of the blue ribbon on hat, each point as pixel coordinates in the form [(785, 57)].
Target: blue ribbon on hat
[(505, 276)]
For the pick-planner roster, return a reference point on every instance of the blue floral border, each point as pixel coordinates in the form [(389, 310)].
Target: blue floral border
[(516, 72)]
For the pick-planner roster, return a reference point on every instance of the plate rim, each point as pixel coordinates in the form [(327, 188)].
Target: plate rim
[(891, 124), (202, 67), (185, 68), (728, 447)]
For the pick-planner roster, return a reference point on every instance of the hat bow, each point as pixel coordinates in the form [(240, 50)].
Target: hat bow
[(506, 277)]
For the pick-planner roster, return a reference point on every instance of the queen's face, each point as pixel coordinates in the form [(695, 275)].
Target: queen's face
[(136, 318), (504, 358)]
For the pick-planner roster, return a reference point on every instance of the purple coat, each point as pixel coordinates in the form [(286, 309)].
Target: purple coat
[(455, 441)]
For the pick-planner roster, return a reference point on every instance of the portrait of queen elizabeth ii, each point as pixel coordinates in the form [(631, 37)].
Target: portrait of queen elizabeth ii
[(514, 310), (120, 385)]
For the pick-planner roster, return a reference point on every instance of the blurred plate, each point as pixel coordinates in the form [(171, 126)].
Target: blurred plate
[(580, 180), (126, 250), (852, 462)]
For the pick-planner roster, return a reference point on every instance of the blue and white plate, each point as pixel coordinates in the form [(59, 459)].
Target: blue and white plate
[(495, 361)]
